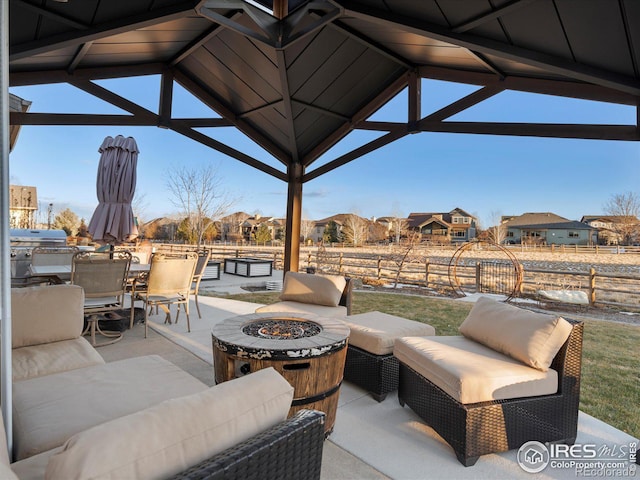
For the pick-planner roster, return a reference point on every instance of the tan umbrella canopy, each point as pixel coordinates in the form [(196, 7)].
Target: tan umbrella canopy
[(113, 219)]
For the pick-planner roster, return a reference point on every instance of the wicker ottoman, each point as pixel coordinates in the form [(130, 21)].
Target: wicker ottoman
[(370, 362)]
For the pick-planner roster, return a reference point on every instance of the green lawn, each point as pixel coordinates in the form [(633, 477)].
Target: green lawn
[(611, 352)]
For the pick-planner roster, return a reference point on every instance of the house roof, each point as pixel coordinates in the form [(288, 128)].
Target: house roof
[(609, 218), (570, 225), (300, 76), (416, 220), (535, 218)]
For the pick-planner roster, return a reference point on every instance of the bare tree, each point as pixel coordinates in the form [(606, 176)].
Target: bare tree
[(355, 229), (497, 233), (624, 208), (306, 228), (399, 224), (402, 254), (199, 194)]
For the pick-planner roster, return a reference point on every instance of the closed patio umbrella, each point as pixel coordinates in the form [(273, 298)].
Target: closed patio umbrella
[(113, 219)]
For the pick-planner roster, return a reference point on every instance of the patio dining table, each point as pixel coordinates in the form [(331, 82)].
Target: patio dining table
[(63, 272)]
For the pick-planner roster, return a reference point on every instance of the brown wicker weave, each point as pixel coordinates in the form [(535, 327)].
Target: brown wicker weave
[(291, 450), (377, 374), (497, 426)]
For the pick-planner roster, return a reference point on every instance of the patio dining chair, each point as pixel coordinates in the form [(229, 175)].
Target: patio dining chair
[(201, 264), (168, 282), (103, 276), (53, 256)]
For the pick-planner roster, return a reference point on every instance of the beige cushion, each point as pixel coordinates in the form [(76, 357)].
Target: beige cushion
[(4, 450), (33, 468), (164, 440), (297, 307), (48, 358), (533, 338), (6, 473), (49, 410), (375, 332), (471, 372), (46, 314), (315, 289), (5, 469)]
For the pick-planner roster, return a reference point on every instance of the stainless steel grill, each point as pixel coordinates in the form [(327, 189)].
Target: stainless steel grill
[(23, 241)]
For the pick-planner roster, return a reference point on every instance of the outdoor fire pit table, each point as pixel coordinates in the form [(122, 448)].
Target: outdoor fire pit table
[(308, 350)]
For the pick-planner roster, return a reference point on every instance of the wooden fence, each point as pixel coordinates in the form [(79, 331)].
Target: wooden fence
[(432, 275)]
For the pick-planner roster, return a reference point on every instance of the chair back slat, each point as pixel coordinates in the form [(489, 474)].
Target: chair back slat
[(171, 274), (100, 275), (47, 256)]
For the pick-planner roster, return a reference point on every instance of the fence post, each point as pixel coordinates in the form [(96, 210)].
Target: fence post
[(340, 264), (309, 259), (592, 286), (478, 283), (426, 273), (379, 267)]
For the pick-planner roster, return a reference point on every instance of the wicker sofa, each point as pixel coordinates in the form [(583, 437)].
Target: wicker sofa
[(489, 398), (75, 416)]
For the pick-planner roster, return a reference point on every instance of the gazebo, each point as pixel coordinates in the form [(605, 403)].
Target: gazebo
[(298, 76)]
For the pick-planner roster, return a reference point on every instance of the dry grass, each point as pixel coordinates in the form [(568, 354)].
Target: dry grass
[(611, 357)]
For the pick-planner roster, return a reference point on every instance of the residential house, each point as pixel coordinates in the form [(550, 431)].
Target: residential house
[(251, 225), (23, 205), (230, 227), (356, 229), (547, 228), (394, 228), (615, 229), (456, 226)]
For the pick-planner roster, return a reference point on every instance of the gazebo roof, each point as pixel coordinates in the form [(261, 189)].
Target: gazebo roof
[(298, 76)]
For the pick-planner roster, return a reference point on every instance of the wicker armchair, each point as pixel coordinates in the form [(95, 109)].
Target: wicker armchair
[(497, 426), (291, 450)]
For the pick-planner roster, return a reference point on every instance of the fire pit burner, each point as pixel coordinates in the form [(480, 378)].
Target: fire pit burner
[(278, 329)]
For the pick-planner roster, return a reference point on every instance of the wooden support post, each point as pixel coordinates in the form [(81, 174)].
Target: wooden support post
[(379, 267), (294, 214), (426, 273), (592, 286), (478, 273)]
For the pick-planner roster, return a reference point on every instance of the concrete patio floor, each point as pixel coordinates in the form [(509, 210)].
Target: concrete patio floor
[(370, 440)]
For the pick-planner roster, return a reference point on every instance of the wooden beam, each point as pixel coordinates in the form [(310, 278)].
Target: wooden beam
[(550, 63), (365, 112), (81, 119), (288, 109), (77, 58), (182, 129), (103, 30), (483, 18), (210, 100), (552, 130), (47, 77), (55, 16), (166, 99), (358, 152), (462, 104), (562, 88)]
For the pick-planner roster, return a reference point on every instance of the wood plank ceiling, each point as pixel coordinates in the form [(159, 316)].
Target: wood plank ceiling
[(300, 84)]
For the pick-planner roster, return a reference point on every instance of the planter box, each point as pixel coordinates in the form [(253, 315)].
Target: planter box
[(211, 271), (248, 267)]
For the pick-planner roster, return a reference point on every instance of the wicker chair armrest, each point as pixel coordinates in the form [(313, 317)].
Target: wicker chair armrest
[(290, 450), (345, 299)]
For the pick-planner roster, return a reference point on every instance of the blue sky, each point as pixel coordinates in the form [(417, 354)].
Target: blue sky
[(427, 172)]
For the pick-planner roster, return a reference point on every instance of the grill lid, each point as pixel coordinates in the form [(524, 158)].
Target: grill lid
[(30, 237)]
